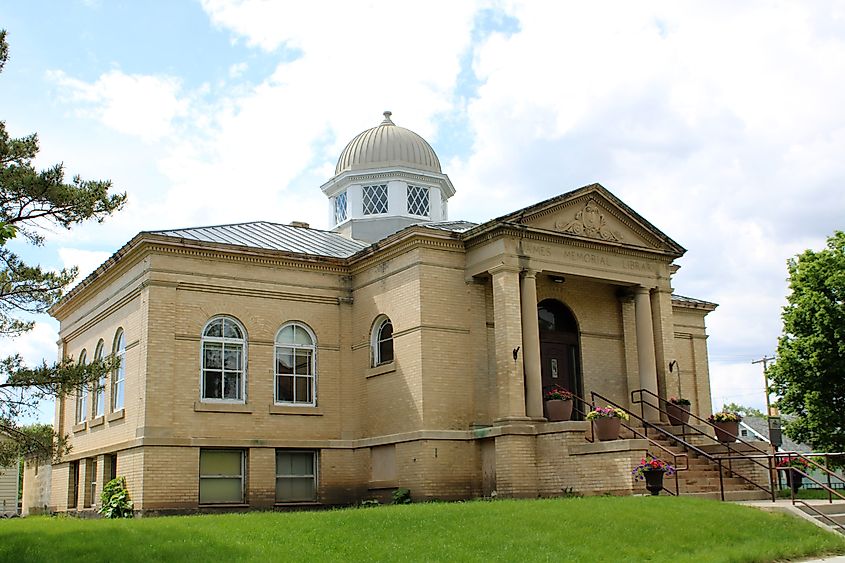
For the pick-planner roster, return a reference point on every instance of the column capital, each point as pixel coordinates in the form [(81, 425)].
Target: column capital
[(502, 268), (529, 273), (641, 290)]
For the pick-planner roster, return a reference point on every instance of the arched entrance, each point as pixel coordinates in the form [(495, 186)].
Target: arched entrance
[(560, 357)]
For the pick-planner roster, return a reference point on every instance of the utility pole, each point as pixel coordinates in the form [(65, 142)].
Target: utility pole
[(775, 436), (765, 361)]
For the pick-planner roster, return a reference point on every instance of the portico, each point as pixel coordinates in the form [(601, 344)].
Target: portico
[(560, 250)]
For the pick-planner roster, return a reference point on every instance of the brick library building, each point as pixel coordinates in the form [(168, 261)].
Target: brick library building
[(271, 365)]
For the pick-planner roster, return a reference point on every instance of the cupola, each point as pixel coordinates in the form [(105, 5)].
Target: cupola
[(386, 179)]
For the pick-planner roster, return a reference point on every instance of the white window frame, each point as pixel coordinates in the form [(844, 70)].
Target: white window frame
[(118, 381), (242, 476), (98, 406), (375, 187), (412, 189), (223, 340), (315, 460), (82, 394), (293, 346), (341, 207), (376, 340)]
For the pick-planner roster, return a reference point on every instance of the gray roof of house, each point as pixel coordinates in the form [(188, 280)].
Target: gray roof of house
[(272, 236), (761, 426)]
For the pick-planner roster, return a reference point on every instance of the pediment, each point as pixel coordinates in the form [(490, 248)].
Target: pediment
[(593, 213)]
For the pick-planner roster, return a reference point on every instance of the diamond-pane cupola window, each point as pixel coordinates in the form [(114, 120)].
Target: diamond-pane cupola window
[(418, 203), (375, 199)]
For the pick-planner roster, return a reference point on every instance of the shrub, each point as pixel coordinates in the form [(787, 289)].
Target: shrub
[(115, 499), (402, 496)]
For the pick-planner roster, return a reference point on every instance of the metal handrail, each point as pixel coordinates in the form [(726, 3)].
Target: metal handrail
[(634, 431), (820, 513), (696, 449), (643, 402), (830, 490)]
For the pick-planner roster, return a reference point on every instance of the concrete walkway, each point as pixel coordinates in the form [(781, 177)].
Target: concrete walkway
[(785, 505)]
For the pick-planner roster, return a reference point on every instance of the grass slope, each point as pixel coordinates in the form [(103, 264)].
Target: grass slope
[(575, 529)]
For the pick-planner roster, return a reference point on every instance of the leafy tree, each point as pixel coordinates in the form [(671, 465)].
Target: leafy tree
[(743, 410), (29, 201), (809, 374)]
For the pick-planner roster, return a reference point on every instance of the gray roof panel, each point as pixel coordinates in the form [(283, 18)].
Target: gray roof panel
[(272, 236)]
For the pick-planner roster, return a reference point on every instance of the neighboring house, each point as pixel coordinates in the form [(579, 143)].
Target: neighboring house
[(757, 428), (271, 365), (8, 489)]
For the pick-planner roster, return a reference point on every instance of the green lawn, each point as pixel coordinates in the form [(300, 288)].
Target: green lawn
[(572, 529)]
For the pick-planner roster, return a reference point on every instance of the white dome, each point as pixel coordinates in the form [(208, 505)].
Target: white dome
[(385, 146)]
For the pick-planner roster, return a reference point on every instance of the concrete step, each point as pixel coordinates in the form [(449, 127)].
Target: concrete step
[(828, 508)]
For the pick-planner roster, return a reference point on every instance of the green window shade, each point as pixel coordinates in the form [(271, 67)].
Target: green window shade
[(219, 490), (220, 462), (297, 489)]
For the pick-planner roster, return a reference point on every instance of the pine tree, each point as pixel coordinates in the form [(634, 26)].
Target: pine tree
[(30, 200)]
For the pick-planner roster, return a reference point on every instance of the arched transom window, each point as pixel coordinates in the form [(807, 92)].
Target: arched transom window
[(382, 341), (82, 392), (100, 389), (223, 361), (296, 366), (118, 380)]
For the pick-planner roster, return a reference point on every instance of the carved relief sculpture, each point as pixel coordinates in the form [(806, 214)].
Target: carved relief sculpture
[(589, 222)]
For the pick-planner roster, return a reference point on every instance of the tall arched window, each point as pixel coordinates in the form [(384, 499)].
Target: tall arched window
[(100, 389), (223, 361), (118, 379), (296, 365), (382, 341), (82, 392)]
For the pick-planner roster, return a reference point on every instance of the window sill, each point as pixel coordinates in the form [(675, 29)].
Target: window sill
[(290, 409), (389, 367), (199, 406), (96, 421), (79, 427), (297, 503), (116, 415)]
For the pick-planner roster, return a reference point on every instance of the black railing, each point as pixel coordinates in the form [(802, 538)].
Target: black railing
[(637, 397), (634, 431)]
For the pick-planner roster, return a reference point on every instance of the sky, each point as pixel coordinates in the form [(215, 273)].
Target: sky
[(722, 123)]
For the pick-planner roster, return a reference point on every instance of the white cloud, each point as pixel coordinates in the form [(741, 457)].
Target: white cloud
[(140, 105), (86, 260), (720, 123)]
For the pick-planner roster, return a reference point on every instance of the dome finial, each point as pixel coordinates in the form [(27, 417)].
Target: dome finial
[(387, 120)]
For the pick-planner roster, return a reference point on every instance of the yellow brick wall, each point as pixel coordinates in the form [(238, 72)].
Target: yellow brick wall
[(447, 375)]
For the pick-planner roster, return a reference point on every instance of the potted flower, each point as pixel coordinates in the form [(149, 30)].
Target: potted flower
[(607, 421), (651, 470), (558, 402), (726, 425), (678, 410), (791, 465)]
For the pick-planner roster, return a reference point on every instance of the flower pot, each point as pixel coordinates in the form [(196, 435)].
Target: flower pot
[(653, 482), (726, 432), (678, 414), (558, 410), (794, 479), (607, 428)]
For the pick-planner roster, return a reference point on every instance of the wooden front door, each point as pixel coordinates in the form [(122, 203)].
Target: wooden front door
[(558, 366)]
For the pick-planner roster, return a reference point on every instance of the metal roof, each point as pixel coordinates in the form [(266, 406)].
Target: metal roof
[(692, 302), (272, 236), (454, 226)]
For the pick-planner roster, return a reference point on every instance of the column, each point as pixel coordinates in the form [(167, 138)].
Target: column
[(645, 348), (531, 346), (507, 337)]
